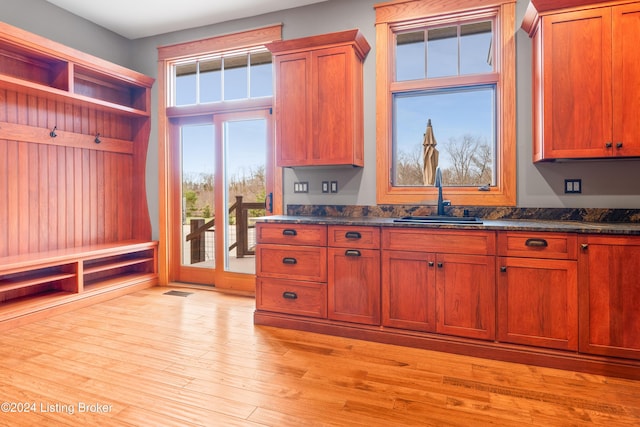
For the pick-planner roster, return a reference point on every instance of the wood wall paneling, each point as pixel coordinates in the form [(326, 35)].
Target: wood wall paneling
[(54, 195)]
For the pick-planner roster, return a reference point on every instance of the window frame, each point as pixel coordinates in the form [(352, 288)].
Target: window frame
[(400, 16)]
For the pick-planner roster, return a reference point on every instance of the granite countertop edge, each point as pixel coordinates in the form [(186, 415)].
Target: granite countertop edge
[(487, 224)]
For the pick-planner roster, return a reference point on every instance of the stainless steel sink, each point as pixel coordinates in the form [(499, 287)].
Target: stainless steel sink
[(440, 219)]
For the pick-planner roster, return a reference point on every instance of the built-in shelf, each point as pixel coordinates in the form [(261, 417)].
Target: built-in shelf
[(34, 65)]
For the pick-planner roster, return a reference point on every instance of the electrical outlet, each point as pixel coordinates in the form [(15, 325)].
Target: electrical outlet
[(572, 186), (334, 186), (325, 186)]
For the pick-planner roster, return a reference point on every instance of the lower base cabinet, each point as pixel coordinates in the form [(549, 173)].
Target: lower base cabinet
[(563, 300), (538, 302), (610, 296), (408, 290), (353, 279)]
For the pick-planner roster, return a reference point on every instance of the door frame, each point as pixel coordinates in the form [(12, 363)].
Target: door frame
[(171, 175)]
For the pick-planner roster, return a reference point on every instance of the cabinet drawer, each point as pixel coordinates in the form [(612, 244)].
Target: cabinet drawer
[(537, 245), (429, 240), (292, 234), (287, 296), (354, 237), (292, 262)]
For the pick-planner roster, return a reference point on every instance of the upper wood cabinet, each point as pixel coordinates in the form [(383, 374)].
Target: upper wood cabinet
[(319, 99), (586, 72)]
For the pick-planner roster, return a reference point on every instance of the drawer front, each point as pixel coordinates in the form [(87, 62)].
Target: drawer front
[(292, 262), (537, 245), (292, 234), (354, 237), (290, 297), (470, 242)]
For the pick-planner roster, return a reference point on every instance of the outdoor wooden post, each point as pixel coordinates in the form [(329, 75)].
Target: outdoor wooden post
[(197, 243)]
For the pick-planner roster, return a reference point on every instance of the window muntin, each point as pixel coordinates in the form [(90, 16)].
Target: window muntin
[(445, 51), (227, 77)]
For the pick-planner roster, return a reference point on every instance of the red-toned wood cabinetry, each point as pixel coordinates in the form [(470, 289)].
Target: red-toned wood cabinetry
[(610, 295), (354, 274), (319, 99), (455, 285), (291, 269), (586, 80), (537, 283), (74, 132), (561, 299)]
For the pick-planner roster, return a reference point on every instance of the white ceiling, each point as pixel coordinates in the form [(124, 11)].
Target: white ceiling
[(141, 18)]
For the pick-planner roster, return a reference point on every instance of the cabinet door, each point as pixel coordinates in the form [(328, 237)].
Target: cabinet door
[(409, 290), (626, 80), (538, 302), (332, 106), (293, 74), (610, 296), (354, 285), (577, 99), (465, 295)]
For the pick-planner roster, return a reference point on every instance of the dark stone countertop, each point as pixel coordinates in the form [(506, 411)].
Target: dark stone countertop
[(487, 224)]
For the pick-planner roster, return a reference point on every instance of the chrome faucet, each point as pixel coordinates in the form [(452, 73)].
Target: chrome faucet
[(438, 183)]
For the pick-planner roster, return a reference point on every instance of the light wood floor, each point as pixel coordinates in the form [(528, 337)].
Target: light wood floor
[(150, 359)]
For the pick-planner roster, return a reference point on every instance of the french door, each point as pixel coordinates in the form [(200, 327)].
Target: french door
[(225, 179)]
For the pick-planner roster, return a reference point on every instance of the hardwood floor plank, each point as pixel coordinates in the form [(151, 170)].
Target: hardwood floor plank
[(199, 361)]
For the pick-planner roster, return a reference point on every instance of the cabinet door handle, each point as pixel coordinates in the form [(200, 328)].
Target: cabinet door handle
[(536, 243), (584, 246), (289, 261), (353, 235), (289, 295), (289, 232), (431, 263), (609, 144), (440, 265), (503, 269), (352, 252), (618, 144)]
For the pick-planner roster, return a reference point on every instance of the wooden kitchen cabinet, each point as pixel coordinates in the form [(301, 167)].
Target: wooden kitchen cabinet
[(319, 99), (291, 269), (537, 282), (454, 290), (354, 274), (586, 80), (610, 295), (409, 290)]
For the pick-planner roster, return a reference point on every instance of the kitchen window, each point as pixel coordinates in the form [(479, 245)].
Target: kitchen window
[(446, 99)]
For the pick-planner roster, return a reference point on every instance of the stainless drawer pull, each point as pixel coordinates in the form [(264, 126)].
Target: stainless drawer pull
[(352, 252), (289, 232), (536, 243), (289, 295), (353, 235), (289, 261)]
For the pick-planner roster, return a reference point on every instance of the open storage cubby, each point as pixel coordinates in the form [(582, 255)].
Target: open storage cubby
[(34, 67), (58, 278), (102, 271), (93, 84), (31, 284)]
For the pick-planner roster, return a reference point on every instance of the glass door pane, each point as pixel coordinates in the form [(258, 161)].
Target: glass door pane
[(197, 196), (245, 154)]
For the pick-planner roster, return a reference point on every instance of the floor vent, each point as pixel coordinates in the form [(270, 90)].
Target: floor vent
[(178, 293)]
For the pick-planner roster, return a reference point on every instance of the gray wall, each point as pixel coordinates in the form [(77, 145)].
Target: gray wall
[(611, 184)]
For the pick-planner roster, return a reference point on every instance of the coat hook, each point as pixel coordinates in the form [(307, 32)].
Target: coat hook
[(53, 133), (97, 140)]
